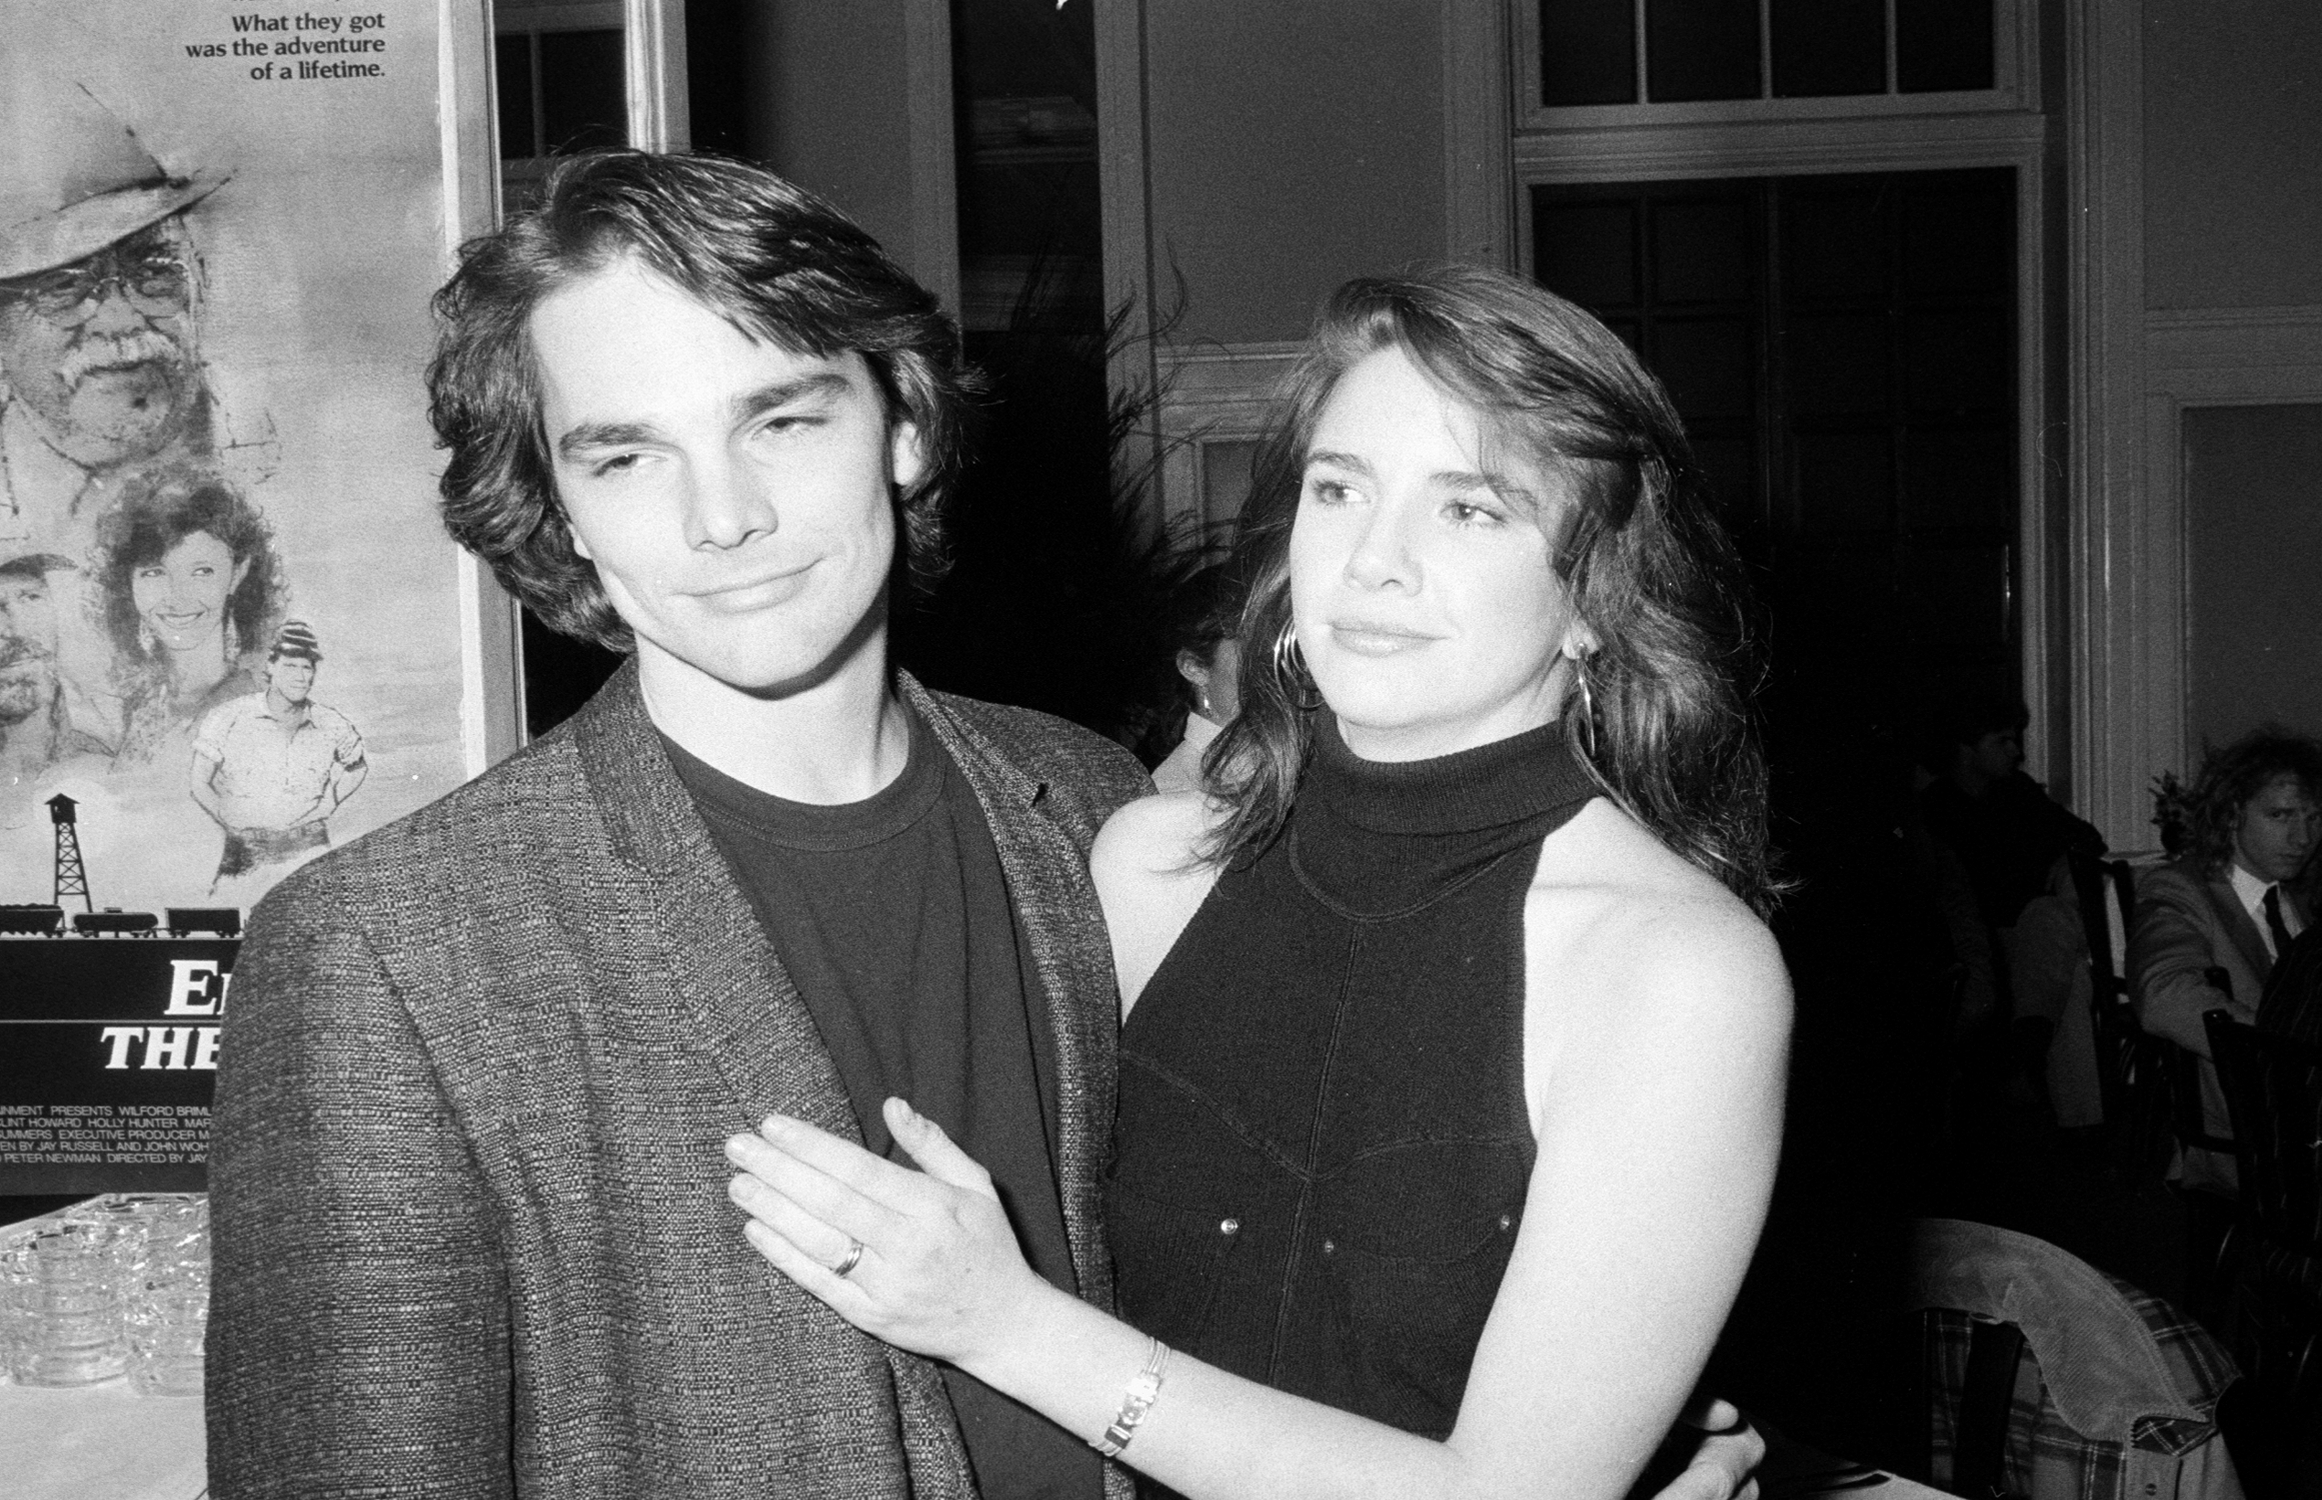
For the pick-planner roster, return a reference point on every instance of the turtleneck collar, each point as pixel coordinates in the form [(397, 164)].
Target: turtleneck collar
[(1379, 838)]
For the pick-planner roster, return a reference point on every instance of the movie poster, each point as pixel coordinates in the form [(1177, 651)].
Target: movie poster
[(230, 623)]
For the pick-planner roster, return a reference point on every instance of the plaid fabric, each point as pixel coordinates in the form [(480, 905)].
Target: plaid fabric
[(2162, 1442)]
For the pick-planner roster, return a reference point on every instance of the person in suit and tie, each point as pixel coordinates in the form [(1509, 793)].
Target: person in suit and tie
[(2210, 925)]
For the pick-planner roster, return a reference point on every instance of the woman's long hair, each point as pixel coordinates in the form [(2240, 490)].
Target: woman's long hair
[(1648, 568), (155, 514)]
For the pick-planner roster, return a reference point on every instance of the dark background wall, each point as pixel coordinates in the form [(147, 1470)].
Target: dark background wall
[(2253, 506)]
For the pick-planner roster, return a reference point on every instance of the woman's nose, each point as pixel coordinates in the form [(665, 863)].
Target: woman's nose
[(1382, 555)]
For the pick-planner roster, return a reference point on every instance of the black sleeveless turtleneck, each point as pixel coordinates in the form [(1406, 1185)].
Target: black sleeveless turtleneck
[(1322, 1143)]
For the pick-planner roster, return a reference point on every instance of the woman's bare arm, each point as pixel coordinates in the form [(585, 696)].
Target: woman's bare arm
[(1662, 1119)]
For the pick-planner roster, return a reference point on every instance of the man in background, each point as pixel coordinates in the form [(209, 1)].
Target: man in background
[(272, 767)]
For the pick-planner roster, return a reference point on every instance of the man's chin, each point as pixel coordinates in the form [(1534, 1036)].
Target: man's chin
[(134, 408)]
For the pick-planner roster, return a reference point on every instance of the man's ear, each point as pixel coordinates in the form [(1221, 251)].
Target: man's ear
[(906, 455)]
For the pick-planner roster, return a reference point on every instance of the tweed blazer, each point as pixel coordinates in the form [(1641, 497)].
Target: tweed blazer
[(468, 1196), (2187, 922)]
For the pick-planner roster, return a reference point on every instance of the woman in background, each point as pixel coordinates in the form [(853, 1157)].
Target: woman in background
[(191, 591), (1452, 1072), (1209, 611)]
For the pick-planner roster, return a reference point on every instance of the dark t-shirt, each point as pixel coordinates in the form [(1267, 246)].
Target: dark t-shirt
[(892, 917)]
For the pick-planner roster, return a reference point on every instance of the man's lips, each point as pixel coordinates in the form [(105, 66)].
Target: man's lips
[(762, 592)]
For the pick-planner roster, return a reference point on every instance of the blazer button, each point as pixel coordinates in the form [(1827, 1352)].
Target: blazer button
[(1507, 1221), (1330, 1247), (1229, 1226)]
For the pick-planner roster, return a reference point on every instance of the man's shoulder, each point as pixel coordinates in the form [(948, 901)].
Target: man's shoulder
[(2180, 882), (1053, 750), (531, 809), (220, 717)]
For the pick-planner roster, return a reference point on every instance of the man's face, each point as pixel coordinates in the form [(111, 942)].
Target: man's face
[(1997, 755), (736, 496), (100, 350), (291, 676), (2278, 830), (27, 646)]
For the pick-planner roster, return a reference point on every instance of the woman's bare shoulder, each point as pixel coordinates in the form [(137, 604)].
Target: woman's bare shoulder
[(1151, 879), (1648, 927)]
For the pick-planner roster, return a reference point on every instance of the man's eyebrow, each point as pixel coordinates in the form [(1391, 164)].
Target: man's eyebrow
[(602, 435), (782, 392)]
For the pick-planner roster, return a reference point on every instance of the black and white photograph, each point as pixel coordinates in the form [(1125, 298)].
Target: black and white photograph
[(1160, 749)]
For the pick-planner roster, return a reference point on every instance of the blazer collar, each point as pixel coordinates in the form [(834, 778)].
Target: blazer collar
[(652, 818), (2237, 922)]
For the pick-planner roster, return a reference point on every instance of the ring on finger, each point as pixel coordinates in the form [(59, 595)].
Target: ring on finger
[(853, 1258)]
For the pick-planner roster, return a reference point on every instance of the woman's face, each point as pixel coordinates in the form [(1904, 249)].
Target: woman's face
[(182, 597), (1421, 580), (2278, 830)]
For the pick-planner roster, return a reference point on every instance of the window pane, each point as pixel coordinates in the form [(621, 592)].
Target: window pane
[(1701, 251), (1585, 251), (1838, 365), (582, 96), (512, 77), (1826, 47), (1943, 44), (1834, 243), (1846, 481), (1701, 49), (1588, 52), (1959, 233), (1706, 365)]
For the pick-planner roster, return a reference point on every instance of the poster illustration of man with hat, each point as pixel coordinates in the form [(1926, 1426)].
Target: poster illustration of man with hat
[(214, 280)]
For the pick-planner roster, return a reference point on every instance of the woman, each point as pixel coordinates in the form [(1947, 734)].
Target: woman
[(191, 592), (1452, 1069), (1209, 611)]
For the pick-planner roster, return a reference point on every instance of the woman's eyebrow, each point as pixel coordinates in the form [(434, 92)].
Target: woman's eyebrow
[(1338, 460)]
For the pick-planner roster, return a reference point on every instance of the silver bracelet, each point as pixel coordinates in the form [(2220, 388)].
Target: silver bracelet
[(1136, 1400)]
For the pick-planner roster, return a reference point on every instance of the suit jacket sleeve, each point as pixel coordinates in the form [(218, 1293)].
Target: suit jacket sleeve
[(358, 1339), (2172, 940)]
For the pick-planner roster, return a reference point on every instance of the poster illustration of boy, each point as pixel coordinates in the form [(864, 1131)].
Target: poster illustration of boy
[(272, 767)]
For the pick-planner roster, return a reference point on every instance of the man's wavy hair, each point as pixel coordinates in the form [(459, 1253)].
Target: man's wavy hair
[(777, 262), (2231, 776), (1649, 569)]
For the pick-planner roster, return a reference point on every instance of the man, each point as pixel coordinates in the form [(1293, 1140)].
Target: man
[(2210, 925), (99, 376), (38, 725), (471, 1231), (272, 767)]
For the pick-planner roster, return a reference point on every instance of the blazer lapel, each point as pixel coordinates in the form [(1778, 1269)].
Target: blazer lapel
[(1056, 903), (745, 1009), (2246, 938)]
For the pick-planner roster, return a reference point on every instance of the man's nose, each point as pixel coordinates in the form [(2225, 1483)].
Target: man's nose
[(114, 313), (731, 503)]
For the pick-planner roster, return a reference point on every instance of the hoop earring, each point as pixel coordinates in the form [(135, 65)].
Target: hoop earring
[(1290, 670), (1587, 707)]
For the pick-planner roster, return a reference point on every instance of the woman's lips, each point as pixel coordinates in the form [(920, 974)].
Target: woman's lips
[(1374, 638)]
